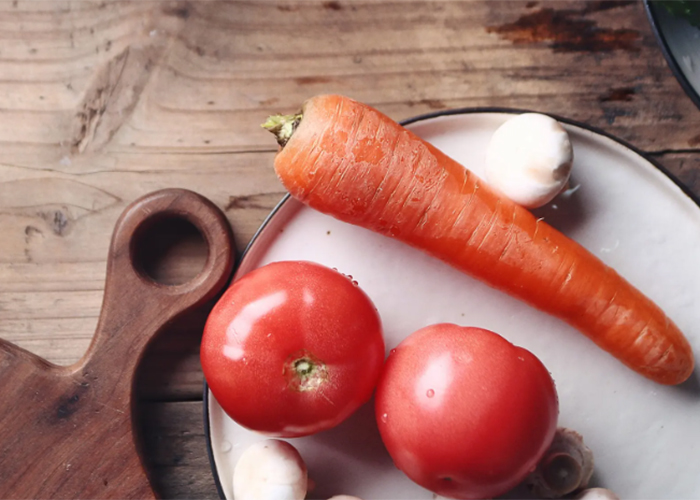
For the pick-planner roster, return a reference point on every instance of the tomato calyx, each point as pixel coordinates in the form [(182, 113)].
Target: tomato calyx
[(304, 371)]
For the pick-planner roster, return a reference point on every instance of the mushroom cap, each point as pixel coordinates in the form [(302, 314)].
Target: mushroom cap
[(270, 470), (529, 159), (566, 466)]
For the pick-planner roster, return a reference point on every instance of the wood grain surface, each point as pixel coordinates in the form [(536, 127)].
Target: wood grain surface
[(104, 101)]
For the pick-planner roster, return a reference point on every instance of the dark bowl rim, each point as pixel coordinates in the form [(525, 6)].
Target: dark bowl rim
[(427, 116), (687, 87)]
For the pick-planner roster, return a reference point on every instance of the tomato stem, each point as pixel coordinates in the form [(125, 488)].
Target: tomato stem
[(304, 372), (303, 366)]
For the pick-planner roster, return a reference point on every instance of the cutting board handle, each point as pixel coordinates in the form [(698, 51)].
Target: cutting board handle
[(67, 431), (135, 307)]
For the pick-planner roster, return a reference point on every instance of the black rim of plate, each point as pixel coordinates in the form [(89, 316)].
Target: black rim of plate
[(652, 15), (428, 116)]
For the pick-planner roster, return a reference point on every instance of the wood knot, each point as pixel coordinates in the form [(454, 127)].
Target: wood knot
[(181, 11), (568, 30), (618, 94), (112, 96), (67, 406), (332, 5), (59, 223)]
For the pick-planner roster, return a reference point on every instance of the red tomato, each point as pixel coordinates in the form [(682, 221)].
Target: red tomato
[(292, 348), (463, 412)]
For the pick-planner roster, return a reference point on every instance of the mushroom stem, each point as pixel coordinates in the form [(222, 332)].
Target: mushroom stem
[(283, 126), (597, 494), (566, 466)]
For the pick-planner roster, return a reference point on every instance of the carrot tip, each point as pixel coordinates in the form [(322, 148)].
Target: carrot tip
[(282, 126)]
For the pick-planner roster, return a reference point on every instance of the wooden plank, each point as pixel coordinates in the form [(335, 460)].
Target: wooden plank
[(170, 369), (175, 449), (219, 66), (684, 166)]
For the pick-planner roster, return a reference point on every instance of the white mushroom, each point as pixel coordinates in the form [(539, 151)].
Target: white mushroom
[(270, 470), (597, 494), (566, 466), (529, 159)]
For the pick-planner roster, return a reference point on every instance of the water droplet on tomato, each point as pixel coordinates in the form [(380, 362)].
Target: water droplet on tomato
[(384, 417), (225, 446), (354, 282), (430, 393), (392, 352)]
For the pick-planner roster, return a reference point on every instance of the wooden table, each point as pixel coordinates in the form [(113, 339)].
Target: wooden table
[(104, 101)]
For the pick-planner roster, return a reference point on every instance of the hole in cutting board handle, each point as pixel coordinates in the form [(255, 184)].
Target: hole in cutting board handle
[(169, 250)]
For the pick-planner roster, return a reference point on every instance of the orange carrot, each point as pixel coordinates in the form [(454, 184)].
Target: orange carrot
[(348, 160)]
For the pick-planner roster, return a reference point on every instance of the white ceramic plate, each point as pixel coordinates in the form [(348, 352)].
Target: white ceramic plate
[(645, 437), (680, 44)]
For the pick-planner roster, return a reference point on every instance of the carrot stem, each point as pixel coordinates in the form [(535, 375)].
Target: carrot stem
[(282, 126)]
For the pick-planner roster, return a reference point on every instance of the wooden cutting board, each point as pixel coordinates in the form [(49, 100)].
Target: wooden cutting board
[(67, 432)]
